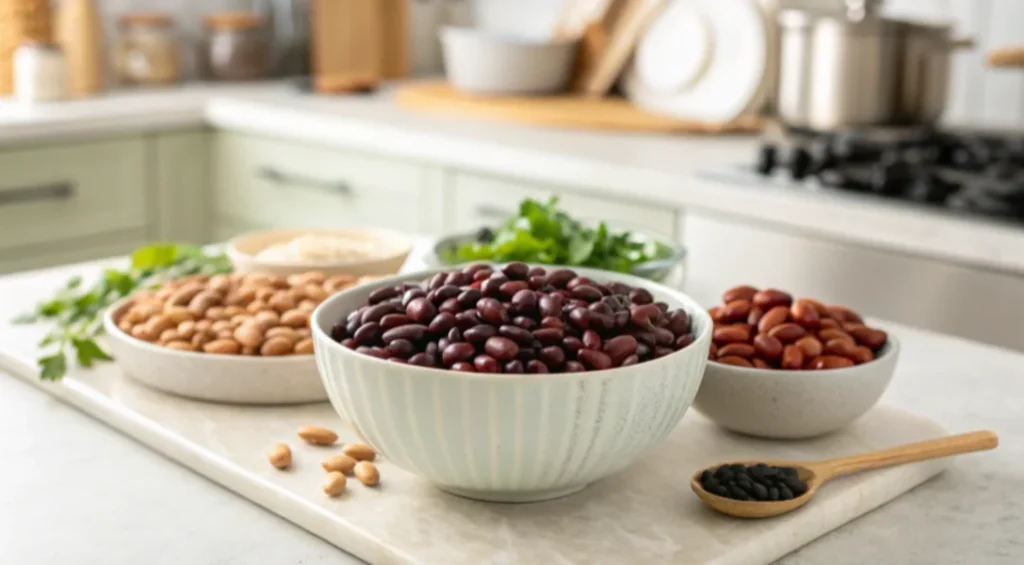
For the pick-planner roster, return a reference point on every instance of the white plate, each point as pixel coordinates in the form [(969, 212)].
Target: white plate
[(702, 60)]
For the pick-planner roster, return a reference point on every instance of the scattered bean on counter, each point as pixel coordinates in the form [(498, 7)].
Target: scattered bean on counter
[(367, 473), (341, 463), (280, 456), (514, 319), (760, 482), (335, 483), (317, 435), (359, 451), (356, 459), (236, 314), (768, 329)]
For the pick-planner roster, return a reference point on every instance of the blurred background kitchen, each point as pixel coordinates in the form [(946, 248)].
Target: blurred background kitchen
[(866, 152)]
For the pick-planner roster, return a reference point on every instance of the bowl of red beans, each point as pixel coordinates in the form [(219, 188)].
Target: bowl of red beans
[(511, 382)]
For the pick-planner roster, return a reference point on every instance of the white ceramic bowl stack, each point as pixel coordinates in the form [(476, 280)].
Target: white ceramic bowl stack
[(510, 438), (482, 62)]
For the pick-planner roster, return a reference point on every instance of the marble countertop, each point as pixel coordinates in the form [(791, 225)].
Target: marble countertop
[(690, 172), (76, 491)]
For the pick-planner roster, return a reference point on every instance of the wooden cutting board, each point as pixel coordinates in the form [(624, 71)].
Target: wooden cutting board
[(566, 111)]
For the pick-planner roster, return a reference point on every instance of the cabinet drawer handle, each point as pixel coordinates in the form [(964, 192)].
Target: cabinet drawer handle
[(37, 193), (488, 211), (277, 177)]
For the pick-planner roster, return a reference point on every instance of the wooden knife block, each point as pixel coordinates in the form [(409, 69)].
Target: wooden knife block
[(356, 43)]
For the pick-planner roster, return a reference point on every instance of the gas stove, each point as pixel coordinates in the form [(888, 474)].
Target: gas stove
[(970, 173)]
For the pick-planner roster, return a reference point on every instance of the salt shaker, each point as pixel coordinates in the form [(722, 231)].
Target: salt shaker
[(40, 73)]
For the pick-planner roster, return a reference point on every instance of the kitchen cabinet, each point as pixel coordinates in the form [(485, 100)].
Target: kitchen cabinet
[(982, 305), (179, 173), (259, 181), (474, 200)]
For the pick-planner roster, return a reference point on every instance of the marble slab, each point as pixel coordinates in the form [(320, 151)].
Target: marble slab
[(645, 514)]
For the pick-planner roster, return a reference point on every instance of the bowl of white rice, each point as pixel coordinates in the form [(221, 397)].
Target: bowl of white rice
[(355, 252)]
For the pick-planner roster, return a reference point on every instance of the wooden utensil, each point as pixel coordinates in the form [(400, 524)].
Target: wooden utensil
[(80, 35), (1010, 56), (395, 52), (609, 41), (346, 45), (576, 15), (816, 473)]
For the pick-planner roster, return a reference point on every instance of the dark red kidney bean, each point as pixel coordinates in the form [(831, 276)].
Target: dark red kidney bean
[(454, 335), (527, 354), (594, 360), (442, 343), (615, 302), (683, 340), (402, 348), (618, 288), (431, 348), (442, 323), (525, 301), (620, 347), (572, 345), (377, 352), (565, 294), (411, 294), (679, 322), (631, 360), (580, 317), (420, 310), (394, 320), (527, 323), (510, 288), (486, 364), (450, 306), (573, 367), (491, 287), (663, 337), (640, 296), (601, 322), (499, 276), (591, 340), (552, 322), (482, 275), (646, 338), (397, 361), (501, 348), (492, 311), (601, 308), (474, 267), (516, 270), (516, 334), (645, 316), (662, 306), (351, 326), (661, 351), (537, 271), (621, 319), (437, 281), (368, 334), (586, 292), (550, 305), (420, 359), (411, 332), (382, 294), (579, 281), (466, 319), (349, 343), (338, 332), (463, 367), (445, 292), (642, 350), (536, 367), (458, 278), (356, 314), (469, 297), (549, 336), (537, 282), (456, 352), (560, 277), (479, 333), (515, 366), (376, 312), (553, 356)]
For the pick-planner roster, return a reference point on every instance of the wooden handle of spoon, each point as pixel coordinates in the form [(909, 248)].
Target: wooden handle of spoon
[(920, 451)]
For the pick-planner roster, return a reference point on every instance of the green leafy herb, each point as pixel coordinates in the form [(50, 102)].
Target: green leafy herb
[(77, 312), (542, 233)]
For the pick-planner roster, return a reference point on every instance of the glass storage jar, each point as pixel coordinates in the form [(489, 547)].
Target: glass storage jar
[(148, 51), (236, 46)]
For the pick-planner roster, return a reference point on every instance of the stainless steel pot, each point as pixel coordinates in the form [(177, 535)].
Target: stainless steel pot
[(859, 69)]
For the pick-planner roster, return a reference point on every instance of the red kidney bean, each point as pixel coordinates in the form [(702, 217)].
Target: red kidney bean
[(516, 270), (367, 334), (645, 316), (501, 348), (537, 271), (456, 352), (528, 324), (442, 343), (573, 367), (549, 336), (402, 348), (537, 282), (621, 319), (663, 337), (561, 277), (646, 338), (437, 281), (515, 366), (586, 292), (420, 359), (492, 287), (601, 322), (510, 288), (580, 317), (499, 276), (475, 267), (631, 360), (640, 296), (458, 278), (591, 340), (536, 367), (431, 349), (661, 351), (492, 311), (578, 281), (552, 322), (594, 360), (442, 323), (481, 276), (445, 292), (373, 351), (553, 356), (411, 332), (527, 354), (451, 306), (454, 335), (349, 343), (375, 313), (600, 308), (420, 310), (679, 322), (683, 340), (411, 294), (469, 297), (486, 364), (525, 301), (394, 320), (382, 294), (479, 333), (620, 347), (550, 305), (642, 350), (516, 334), (466, 319), (572, 345), (397, 361), (463, 367)]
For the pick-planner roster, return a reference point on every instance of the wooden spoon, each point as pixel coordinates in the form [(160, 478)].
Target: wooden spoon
[(816, 473)]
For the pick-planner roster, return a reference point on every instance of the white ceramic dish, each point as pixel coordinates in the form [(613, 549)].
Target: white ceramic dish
[(509, 438), (243, 249), (482, 62), (232, 379), (793, 404)]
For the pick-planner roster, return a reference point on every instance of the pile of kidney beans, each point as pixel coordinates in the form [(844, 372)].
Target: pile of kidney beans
[(514, 319)]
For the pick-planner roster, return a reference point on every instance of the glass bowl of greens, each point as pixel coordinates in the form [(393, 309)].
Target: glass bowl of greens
[(542, 233)]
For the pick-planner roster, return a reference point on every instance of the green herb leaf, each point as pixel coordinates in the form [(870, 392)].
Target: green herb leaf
[(73, 283), (86, 351), (53, 367), (154, 256)]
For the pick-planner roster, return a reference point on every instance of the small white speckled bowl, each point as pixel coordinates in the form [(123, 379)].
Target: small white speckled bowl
[(782, 404), (509, 438)]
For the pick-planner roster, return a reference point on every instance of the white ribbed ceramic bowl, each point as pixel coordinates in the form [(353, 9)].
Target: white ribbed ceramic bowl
[(509, 438), (781, 404)]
